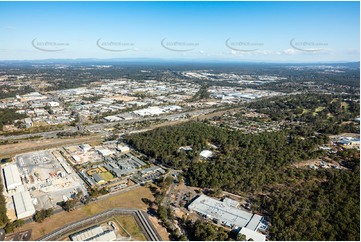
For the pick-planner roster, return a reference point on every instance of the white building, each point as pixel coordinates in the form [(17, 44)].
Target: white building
[(206, 154), (28, 123), (23, 204), (250, 234), (53, 104), (225, 213), (12, 177), (123, 148), (105, 152), (94, 233)]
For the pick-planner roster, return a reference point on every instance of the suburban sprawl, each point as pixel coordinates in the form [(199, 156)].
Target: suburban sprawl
[(113, 151)]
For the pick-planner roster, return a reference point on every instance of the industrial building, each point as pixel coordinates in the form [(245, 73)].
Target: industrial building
[(250, 234), (12, 177), (94, 233), (97, 178), (23, 204), (150, 170), (226, 213)]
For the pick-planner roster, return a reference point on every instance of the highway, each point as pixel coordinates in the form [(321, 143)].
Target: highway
[(100, 127)]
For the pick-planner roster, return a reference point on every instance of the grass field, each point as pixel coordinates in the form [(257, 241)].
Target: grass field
[(130, 199), (130, 225), (9, 150), (106, 175)]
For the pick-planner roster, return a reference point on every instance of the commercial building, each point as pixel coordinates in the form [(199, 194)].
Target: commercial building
[(12, 177), (23, 205), (226, 213)]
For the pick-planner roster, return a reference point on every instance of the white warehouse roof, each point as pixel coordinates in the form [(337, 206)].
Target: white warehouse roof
[(23, 204), (250, 234), (206, 153), (89, 233), (12, 177), (221, 211), (255, 222)]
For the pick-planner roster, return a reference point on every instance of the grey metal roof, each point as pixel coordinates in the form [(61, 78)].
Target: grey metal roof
[(221, 211), (97, 177)]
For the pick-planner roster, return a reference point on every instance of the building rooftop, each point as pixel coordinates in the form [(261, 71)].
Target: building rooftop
[(223, 212), (23, 204), (250, 234), (12, 176), (206, 153)]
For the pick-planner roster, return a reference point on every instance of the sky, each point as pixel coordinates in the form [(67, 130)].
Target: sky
[(235, 31)]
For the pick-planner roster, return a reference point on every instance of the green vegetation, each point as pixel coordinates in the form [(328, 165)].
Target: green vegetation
[(320, 206), (201, 94), (269, 150), (11, 91), (10, 226), (205, 231), (8, 116), (42, 214), (323, 113), (106, 175), (3, 217), (131, 226)]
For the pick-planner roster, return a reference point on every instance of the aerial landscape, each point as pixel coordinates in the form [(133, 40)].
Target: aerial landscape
[(169, 121)]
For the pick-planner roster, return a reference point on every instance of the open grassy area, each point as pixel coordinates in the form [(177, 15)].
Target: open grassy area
[(106, 175), (130, 225), (130, 199), (9, 150)]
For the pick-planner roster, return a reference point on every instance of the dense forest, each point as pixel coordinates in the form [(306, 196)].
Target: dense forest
[(10, 91), (8, 116)]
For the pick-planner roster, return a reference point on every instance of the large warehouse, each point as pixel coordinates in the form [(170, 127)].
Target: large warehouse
[(23, 204), (94, 233), (226, 213), (12, 177)]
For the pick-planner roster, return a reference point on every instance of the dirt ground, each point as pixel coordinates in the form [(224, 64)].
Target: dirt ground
[(161, 230), (353, 135), (130, 199), (307, 162), (28, 146)]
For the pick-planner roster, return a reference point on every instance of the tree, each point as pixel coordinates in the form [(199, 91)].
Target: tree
[(40, 215), (241, 237), (69, 205)]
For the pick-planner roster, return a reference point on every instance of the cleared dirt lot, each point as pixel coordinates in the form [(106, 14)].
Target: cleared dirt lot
[(130, 199), (27, 146)]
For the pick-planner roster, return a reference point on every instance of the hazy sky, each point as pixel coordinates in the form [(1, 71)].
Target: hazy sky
[(259, 31)]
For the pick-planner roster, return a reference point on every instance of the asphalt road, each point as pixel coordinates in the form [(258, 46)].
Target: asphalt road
[(102, 126)]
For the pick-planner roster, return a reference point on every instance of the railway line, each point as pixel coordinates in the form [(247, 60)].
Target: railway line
[(150, 233), (142, 220)]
